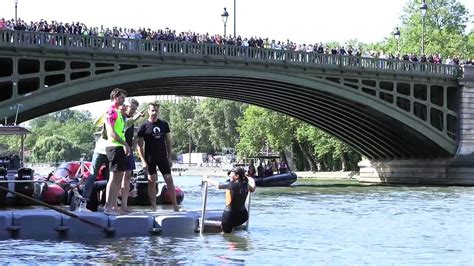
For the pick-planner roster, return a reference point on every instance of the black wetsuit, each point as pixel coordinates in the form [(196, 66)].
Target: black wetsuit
[(235, 213)]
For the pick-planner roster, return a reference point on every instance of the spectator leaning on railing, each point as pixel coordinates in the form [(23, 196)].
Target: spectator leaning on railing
[(78, 28)]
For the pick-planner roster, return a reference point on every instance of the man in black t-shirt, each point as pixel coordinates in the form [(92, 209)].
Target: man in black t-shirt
[(154, 148)]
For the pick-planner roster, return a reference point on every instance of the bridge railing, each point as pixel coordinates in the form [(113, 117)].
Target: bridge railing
[(85, 43)]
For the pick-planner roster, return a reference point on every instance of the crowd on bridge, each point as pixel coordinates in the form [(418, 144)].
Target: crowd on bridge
[(79, 28)]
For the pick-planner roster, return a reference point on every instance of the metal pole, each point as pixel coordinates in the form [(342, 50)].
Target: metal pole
[(235, 19), (16, 9), (423, 34), (22, 148), (224, 29), (249, 198), (203, 213), (190, 148)]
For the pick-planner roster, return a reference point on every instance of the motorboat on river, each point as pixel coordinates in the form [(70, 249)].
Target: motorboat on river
[(268, 177), (276, 180)]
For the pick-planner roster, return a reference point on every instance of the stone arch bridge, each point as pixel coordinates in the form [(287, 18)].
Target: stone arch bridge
[(386, 110)]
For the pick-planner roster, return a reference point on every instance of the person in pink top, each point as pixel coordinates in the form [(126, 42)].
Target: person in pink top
[(116, 148)]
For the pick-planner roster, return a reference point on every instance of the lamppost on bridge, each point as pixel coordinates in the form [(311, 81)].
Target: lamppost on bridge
[(235, 23), (225, 16), (396, 34), (16, 11), (423, 9)]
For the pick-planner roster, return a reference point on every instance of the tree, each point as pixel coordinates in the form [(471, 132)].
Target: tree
[(222, 116), (181, 115), (445, 24), (54, 149), (75, 126)]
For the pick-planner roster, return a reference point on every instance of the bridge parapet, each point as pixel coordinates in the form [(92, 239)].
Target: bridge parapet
[(120, 46)]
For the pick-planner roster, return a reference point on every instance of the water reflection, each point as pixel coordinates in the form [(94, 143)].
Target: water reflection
[(236, 241)]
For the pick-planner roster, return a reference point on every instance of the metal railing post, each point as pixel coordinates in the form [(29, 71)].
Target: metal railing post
[(203, 212), (249, 199)]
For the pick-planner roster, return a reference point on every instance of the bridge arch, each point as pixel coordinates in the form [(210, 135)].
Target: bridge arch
[(375, 130)]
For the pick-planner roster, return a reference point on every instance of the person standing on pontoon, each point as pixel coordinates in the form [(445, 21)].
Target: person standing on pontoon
[(154, 148), (117, 149), (131, 107), (236, 193)]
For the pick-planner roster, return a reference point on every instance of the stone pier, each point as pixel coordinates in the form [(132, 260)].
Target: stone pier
[(458, 170)]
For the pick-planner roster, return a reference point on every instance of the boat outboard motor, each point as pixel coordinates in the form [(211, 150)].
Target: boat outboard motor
[(3, 193), (5, 162), (25, 188), (15, 162)]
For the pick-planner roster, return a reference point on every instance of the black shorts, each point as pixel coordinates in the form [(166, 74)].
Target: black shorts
[(117, 159), (162, 163), (231, 219)]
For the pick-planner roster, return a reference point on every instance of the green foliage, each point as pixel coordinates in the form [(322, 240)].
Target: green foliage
[(222, 117), (181, 115), (54, 149), (261, 127), (445, 23), (9, 145), (74, 126), (210, 124), (252, 131)]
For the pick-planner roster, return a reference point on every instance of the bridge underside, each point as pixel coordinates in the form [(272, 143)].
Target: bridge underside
[(372, 133)]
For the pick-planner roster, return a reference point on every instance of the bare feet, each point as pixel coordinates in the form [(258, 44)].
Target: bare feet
[(111, 212), (124, 210)]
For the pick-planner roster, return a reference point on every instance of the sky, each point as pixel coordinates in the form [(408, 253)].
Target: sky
[(302, 21)]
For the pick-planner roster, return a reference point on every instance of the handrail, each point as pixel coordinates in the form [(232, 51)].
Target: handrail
[(86, 43), (249, 198), (203, 212), (204, 203)]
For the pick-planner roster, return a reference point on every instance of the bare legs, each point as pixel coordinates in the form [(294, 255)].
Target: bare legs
[(125, 190), (170, 184), (112, 190), (152, 191)]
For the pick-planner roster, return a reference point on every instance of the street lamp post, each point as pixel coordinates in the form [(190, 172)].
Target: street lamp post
[(396, 34), (423, 9), (16, 11), (235, 23), (225, 16)]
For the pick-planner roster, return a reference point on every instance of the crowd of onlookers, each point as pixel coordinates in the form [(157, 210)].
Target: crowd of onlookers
[(189, 36)]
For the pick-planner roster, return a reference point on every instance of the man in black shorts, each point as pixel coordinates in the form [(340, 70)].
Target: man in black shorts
[(116, 148), (154, 134)]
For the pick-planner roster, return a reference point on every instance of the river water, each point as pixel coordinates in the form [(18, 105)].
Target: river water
[(311, 222)]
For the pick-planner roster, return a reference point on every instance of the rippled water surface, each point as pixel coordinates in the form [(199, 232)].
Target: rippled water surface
[(312, 222)]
